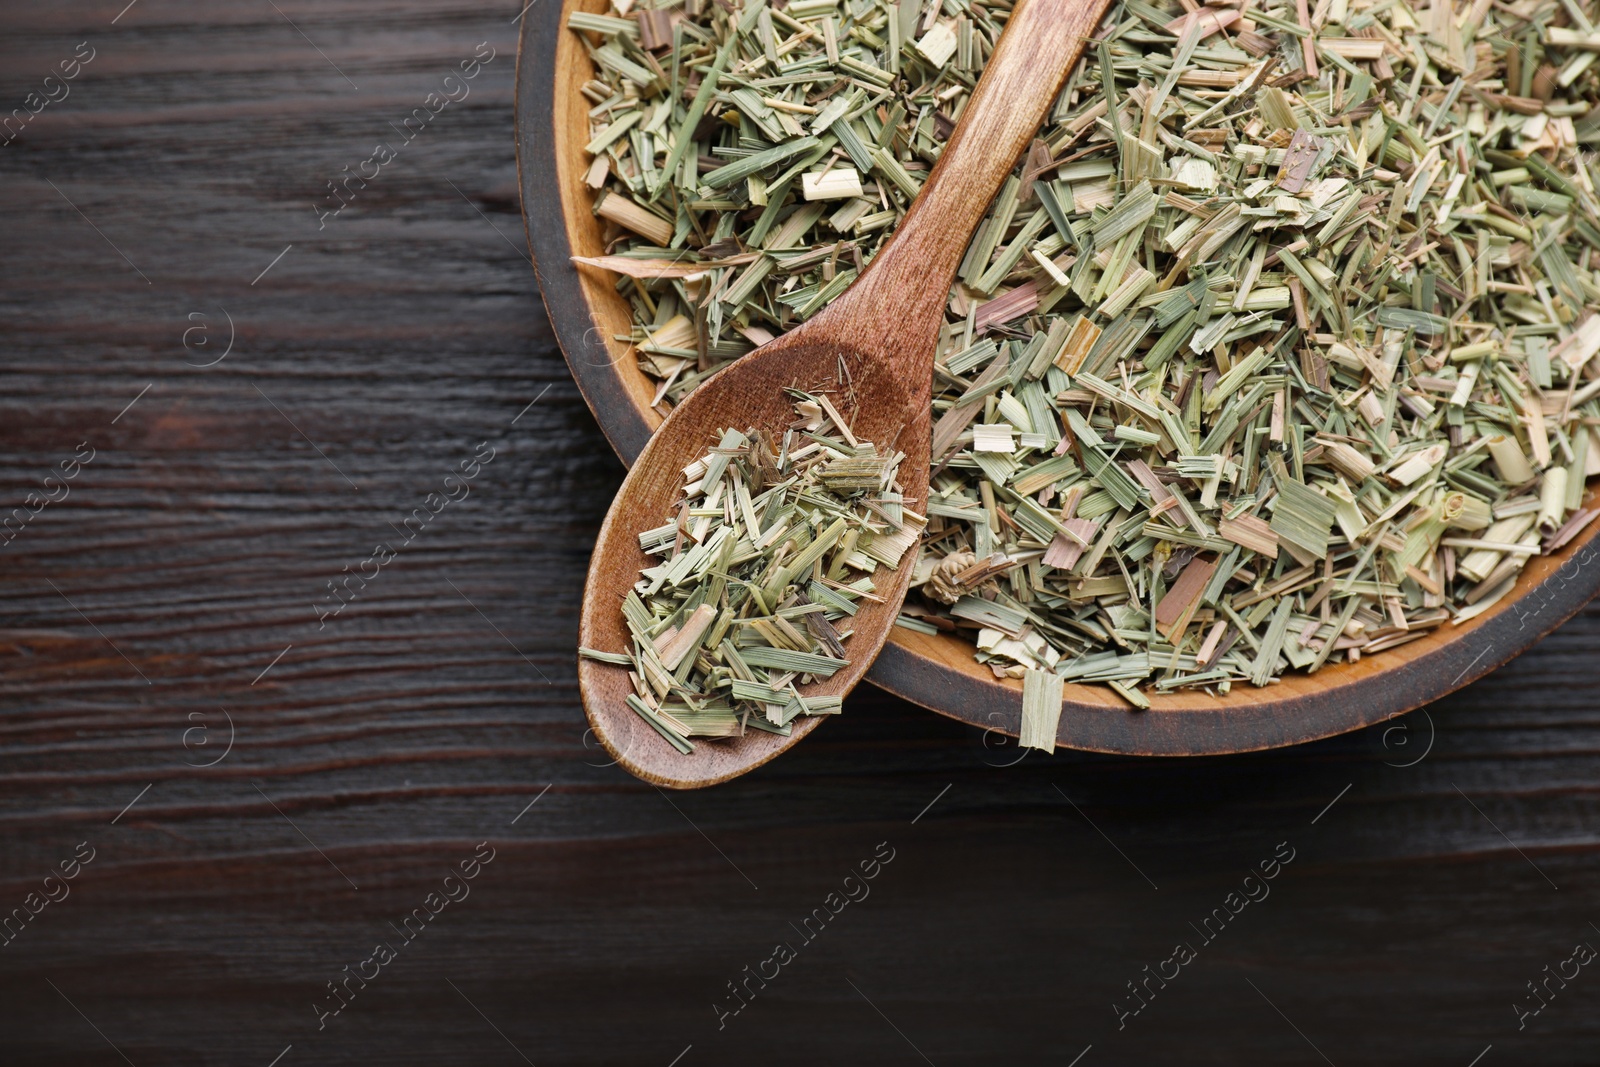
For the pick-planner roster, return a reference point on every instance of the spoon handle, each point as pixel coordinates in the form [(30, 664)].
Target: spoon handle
[(912, 274)]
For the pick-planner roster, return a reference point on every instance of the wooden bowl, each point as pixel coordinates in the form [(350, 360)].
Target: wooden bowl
[(938, 672)]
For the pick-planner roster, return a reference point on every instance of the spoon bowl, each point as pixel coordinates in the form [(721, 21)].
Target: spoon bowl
[(748, 394)]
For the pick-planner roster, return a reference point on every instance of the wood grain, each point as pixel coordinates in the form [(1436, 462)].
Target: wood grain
[(409, 729)]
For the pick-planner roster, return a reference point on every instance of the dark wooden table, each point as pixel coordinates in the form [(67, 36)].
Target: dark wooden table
[(173, 595)]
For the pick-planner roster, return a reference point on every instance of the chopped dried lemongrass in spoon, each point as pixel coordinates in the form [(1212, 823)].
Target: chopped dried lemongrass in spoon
[(765, 561), (1281, 344)]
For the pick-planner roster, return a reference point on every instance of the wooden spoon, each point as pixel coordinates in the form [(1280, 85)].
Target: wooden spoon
[(882, 331)]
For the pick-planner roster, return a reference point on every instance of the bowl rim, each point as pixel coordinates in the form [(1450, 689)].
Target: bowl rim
[(938, 672)]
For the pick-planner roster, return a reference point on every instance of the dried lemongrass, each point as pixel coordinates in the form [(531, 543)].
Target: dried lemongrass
[(761, 567), (1280, 344), (1041, 710)]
